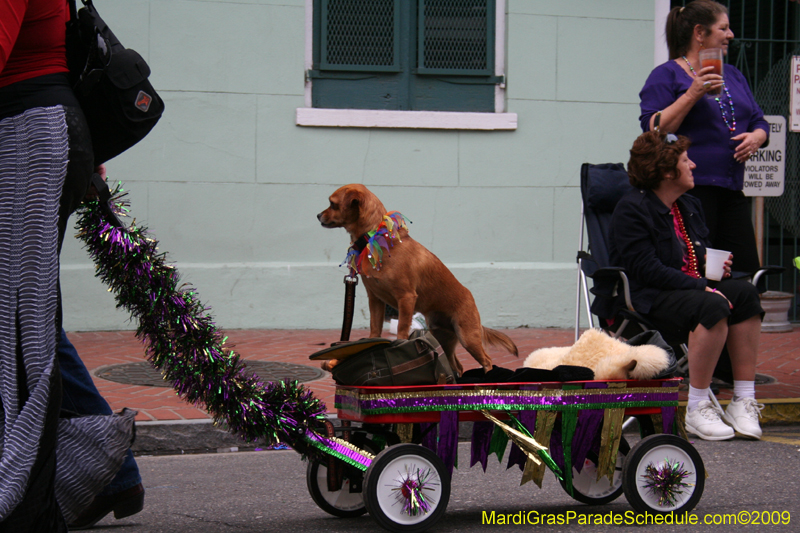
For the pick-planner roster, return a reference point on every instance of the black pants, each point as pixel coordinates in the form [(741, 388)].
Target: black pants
[(677, 313), (729, 219)]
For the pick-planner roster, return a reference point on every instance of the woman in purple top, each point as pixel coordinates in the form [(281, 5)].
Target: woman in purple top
[(725, 131)]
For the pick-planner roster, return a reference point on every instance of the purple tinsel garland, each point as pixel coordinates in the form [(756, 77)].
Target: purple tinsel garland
[(183, 341)]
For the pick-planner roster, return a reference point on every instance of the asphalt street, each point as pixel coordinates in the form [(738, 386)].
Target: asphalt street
[(251, 492)]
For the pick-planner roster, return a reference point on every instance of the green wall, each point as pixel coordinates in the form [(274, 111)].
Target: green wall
[(231, 186)]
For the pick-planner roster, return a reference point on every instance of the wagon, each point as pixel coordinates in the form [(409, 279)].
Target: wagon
[(394, 450)]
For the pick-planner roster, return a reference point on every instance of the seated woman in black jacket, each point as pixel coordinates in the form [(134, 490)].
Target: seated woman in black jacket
[(659, 236)]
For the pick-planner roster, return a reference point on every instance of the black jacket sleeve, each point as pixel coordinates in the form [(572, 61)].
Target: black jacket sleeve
[(648, 247)]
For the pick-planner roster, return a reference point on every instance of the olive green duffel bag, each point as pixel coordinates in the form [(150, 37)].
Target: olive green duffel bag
[(381, 362)]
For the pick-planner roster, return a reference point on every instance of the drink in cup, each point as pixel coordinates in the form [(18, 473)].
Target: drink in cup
[(712, 57), (715, 263)]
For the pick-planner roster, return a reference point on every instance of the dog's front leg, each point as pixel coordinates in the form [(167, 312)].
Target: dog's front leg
[(405, 312), (377, 313)]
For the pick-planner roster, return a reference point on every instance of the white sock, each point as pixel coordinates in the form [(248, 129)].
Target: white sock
[(696, 396), (744, 389)]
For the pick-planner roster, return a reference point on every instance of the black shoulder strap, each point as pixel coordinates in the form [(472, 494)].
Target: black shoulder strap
[(73, 10)]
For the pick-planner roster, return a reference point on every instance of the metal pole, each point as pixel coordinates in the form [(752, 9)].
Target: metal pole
[(758, 226), (578, 295)]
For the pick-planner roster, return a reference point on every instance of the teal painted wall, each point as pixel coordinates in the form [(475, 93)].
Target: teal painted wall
[(231, 186)]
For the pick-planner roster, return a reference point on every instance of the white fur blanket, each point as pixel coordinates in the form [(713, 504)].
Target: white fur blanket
[(609, 358)]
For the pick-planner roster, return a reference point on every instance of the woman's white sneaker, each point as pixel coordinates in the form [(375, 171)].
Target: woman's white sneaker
[(743, 415), (705, 421)]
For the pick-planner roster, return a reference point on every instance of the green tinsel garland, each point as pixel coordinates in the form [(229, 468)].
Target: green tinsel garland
[(182, 340)]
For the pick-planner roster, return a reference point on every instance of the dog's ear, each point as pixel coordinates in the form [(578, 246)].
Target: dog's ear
[(353, 200)]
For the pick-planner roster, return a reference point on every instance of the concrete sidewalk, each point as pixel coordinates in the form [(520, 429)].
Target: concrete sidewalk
[(116, 360)]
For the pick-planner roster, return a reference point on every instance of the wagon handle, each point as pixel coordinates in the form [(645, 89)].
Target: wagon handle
[(350, 282)]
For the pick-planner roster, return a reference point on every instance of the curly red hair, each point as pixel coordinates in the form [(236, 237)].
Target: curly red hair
[(654, 157)]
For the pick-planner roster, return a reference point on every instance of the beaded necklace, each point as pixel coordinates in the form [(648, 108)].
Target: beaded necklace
[(691, 262), (731, 128)]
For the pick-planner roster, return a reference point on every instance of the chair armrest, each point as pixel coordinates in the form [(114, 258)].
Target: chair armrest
[(618, 274), (608, 273), (768, 270), (772, 269)]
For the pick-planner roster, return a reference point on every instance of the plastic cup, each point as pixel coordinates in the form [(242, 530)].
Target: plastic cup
[(715, 263), (712, 57)]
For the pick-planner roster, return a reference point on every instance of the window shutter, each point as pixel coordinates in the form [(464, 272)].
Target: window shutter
[(360, 35), (456, 37)]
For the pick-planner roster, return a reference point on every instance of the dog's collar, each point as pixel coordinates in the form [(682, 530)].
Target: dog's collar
[(360, 243), (370, 245)]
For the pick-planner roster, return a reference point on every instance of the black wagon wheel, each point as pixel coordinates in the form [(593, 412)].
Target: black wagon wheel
[(663, 474), (348, 501), (585, 486), (407, 488)]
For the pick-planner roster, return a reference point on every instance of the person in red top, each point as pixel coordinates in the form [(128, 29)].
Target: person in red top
[(46, 164), (32, 39)]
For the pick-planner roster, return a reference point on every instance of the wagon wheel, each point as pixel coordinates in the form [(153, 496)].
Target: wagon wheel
[(585, 486), (407, 488), (348, 501), (663, 474)]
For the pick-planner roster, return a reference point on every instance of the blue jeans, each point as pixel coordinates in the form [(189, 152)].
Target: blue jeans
[(82, 397)]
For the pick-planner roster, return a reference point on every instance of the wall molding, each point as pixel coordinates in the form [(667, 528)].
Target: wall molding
[(371, 118)]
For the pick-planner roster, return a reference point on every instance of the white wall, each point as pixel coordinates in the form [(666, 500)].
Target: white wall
[(231, 186)]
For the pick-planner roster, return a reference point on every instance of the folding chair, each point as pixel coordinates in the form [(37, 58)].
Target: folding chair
[(602, 186)]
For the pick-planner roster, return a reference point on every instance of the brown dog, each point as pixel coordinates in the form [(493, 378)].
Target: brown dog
[(411, 279)]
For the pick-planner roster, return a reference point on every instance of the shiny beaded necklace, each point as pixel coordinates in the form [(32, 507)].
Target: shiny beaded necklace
[(731, 128), (691, 263)]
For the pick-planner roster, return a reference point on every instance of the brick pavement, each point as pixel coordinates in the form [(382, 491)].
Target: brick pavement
[(779, 358)]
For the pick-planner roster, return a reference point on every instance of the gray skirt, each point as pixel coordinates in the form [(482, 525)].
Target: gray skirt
[(34, 150)]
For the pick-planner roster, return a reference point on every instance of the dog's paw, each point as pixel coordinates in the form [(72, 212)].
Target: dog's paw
[(329, 364)]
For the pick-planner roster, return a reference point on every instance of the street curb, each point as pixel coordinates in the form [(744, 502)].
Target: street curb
[(179, 437), (176, 437)]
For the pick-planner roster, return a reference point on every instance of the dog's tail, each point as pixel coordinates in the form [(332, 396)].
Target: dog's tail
[(495, 338)]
